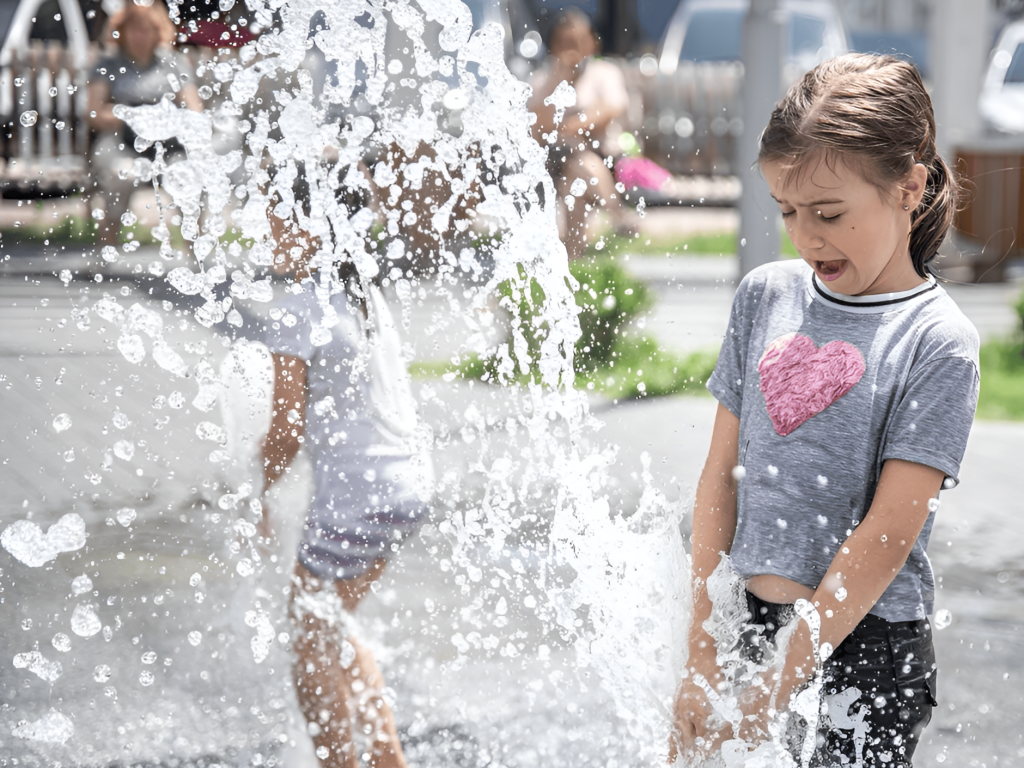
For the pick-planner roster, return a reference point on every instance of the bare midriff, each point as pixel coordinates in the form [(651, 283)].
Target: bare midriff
[(778, 589)]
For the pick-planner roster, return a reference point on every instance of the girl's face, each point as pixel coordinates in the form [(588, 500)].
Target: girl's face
[(139, 39), (855, 236)]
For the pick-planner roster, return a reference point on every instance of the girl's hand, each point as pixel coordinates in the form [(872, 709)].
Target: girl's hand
[(756, 711), (689, 719)]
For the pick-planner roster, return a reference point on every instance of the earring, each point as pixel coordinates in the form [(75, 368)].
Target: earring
[(906, 207)]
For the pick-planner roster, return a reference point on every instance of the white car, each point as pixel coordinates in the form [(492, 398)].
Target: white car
[(712, 30), (1001, 103)]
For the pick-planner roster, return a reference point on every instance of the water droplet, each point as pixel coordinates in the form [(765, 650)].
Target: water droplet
[(108, 633), (109, 253), (52, 728), (126, 516), (101, 674), (110, 692), (176, 400), (120, 420), (26, 624), (194, 580), (62, 422), (739, 472), (578, 188), (29, 118), (146, 678), (943, 619), (323, 752), (39, 665), (130, 345), (933, 505), (124, 449), (69, 455), (841, 594), (244, 567), (781, 523), (743, 242), (148, 657), (207, 430), (61, 642), (84, 621), (195, 637), (822, 481)]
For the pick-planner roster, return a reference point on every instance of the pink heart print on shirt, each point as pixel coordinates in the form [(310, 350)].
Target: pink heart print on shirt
[(798, 380)]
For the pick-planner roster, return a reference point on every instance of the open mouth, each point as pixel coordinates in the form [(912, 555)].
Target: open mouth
[(830, 270)]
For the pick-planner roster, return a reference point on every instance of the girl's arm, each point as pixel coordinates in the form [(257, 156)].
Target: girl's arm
[(285, 436), (101, 109), (865, 565), (714, 525)]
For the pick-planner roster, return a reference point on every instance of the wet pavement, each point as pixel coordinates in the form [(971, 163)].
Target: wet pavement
[(174, 652)]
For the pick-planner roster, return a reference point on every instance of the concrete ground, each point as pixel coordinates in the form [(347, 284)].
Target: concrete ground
[(480, 677)]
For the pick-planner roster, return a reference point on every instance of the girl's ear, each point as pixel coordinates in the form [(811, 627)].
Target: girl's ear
[(913, 186)]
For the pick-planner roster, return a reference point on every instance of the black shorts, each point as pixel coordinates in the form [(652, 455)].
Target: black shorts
[(878, 690)]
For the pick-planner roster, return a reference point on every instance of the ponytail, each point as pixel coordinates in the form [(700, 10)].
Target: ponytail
[(934, 216)]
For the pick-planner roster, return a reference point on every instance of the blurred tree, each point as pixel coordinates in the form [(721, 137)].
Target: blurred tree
[(618, 25)]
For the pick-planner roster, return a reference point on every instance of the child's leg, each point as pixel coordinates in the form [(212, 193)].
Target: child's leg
[(879, 694), (337, 680)]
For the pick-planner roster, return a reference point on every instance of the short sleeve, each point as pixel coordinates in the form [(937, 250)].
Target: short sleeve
[(726, 382), (287, 329), (933, 419)]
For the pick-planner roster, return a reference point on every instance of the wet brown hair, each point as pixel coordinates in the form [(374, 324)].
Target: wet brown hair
[(872, 111)]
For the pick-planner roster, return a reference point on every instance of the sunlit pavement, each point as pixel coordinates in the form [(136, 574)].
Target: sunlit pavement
[(509, 697)]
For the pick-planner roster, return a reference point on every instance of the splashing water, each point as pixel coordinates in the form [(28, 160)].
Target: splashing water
[(526, 533)]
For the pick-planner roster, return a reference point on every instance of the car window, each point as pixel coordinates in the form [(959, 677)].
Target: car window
[(1015, 72), (716, 34), (806, 34), (713, 34), (482, 10)]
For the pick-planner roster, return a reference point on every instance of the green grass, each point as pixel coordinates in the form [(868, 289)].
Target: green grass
[(697, 244), (1002, 380), (66, 231), (639, 369)]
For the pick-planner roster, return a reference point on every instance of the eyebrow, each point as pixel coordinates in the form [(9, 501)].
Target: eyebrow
[(812, 204)]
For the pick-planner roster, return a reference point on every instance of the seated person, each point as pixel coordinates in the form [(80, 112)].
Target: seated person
[(143, 70), (576, 153)]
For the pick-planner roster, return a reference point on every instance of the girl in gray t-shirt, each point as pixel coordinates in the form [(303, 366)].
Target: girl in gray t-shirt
[(847, 383)]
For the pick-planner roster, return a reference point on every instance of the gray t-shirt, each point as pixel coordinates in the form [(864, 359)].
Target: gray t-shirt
[(135, 86), (361, 422), (828, 387)]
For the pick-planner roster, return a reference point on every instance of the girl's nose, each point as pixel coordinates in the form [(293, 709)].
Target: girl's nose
[(804, 238)]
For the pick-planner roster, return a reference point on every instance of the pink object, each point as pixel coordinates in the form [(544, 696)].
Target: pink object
[(640, 172), (798, 380)]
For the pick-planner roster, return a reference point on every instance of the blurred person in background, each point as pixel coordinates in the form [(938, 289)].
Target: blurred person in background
[(581, 141), (143, 69)]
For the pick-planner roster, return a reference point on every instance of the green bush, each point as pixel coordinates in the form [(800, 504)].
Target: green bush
[(1002, 380), (608, 300), (1019, 306), (611, 357)]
